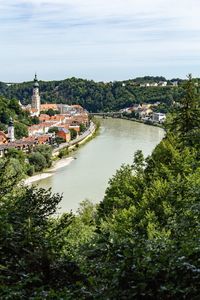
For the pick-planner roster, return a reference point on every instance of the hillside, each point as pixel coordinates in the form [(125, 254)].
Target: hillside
[(96, 96)]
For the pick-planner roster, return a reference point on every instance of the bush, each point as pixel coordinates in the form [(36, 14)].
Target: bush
[(38, 160), (63, 152), (30, 170)]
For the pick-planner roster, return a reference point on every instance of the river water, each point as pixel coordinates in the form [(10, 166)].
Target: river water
[(87, 176)]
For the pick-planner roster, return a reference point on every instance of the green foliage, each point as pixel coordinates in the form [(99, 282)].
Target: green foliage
[(21, 130), (11, 108), (38, 160), (15, 153), (186, 116), (59, 140), (73, 133), (53, 129), (35, 120), (82, 128), (96, 96), (147, 239), (33, 265), (63, 152), (51, 112)]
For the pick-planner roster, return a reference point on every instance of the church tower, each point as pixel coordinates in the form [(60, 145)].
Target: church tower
[(35, 104), (11, 131)]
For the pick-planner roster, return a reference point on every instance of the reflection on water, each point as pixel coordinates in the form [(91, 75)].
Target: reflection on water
[(87, 176)]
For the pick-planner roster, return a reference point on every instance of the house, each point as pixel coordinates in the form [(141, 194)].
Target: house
[(64, 134), (162, 83), (42, 128), (134, 108), (47, 106), (44, 118), (154, 84), (3, 138), (144, 112), (174, 83), (158, 117)]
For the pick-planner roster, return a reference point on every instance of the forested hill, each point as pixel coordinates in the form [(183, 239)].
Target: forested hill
[(96, 96)]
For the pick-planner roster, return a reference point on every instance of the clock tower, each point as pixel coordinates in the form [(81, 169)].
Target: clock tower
[(35, 104)]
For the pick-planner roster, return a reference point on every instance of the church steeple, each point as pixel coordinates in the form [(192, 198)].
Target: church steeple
[(36, 84), (11, 130), (35, 105)]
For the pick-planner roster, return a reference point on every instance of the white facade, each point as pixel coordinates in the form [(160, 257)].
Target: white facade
[(158, 117), (11, 131), (35, 104)]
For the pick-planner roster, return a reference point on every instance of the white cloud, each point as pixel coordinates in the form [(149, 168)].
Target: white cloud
[(115, 33)]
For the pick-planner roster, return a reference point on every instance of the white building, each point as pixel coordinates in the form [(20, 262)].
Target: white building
[(158, 117), (11, 131), (35, 104)]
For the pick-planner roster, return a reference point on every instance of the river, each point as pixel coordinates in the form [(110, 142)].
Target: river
[(87, 176)]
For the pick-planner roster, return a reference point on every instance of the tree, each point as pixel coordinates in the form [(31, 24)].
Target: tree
[(35, 120), (82, 127), (185, 120), (38, 160), (59, 140), (46, 151), (33, 265), (53, 129), (15, 153), (5, 116), (73, 133), (21, 130)]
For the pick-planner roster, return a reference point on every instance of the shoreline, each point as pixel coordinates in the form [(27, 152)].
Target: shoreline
[(63, 162)]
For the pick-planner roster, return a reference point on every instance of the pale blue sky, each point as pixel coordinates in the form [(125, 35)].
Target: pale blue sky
[(98, 39)]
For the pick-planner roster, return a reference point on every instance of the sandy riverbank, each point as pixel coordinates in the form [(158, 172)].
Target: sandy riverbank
[(57, 165)]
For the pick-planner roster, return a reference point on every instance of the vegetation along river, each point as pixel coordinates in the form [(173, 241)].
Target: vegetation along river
[(87, 176)]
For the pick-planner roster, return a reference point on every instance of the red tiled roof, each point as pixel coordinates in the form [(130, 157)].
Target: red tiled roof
[(48, 106)]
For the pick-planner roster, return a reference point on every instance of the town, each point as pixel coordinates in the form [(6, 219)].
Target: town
[(62, 123), (57, 123)]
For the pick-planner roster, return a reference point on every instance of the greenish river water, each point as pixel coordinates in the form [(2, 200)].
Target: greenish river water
[(87, 176)]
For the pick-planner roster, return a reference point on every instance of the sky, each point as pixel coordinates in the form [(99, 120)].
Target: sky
[(103, 40)]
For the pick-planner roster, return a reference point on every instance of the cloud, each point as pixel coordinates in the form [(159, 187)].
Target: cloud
[(72, 34)]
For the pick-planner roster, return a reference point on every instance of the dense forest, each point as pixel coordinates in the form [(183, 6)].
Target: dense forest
[(97, 96), (141, 242)]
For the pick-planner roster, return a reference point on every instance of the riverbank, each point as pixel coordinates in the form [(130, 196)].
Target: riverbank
[(50, 172), (63, 162)]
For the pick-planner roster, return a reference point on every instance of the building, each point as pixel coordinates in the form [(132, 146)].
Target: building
[(3, 138), (35, 103), (64, 134), (158, 117), (47, 106), (11, 131)]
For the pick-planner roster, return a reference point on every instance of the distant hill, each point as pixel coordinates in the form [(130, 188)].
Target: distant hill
[(96, 96)]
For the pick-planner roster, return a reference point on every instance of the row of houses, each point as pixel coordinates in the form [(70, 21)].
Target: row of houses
[(25, 144), (40, 133), (145, 112), (159, 84)]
